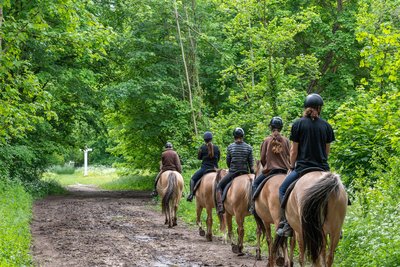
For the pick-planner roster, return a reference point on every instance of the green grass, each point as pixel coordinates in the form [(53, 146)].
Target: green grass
[(15, 214)]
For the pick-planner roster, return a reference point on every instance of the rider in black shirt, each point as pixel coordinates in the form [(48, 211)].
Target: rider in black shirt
[(311, 137)]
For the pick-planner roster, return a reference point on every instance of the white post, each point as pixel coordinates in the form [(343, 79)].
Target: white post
[(85, 160)]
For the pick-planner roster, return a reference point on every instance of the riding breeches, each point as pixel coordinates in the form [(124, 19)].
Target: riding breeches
[(197, 175), (292, 176)]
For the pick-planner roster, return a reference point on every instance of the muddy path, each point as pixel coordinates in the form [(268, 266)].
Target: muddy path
[(89, 227)]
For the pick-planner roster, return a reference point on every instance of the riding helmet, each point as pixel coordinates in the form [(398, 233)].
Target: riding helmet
[(238, 132), (207, 136), (168, 145), (276, 123), (313, 100)]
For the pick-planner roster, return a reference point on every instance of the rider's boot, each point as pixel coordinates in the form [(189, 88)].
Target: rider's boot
[(190, 196), (220, 205), (155, 193), (284, 229)]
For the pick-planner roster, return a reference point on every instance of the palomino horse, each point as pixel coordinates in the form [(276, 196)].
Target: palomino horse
[(315, 209), (169, 188), (205, 199), (236, 204), (268, 211)]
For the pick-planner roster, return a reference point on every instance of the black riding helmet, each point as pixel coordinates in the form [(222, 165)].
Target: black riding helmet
[(168, 145), (207, 136), (313, 100), (238, 132), (276, 123)]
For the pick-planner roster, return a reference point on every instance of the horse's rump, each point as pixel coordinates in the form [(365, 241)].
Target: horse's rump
[(317, 200)]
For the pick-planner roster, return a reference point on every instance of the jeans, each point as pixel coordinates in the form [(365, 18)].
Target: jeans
[(197, 175), (293, 176), (257, 182)]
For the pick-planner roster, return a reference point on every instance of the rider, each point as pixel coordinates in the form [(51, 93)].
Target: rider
[(209, 155), (169, 162), (274, 155), (239, 158), (311, 137)]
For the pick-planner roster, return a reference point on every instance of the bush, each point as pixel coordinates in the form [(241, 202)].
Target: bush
[(15, 214)]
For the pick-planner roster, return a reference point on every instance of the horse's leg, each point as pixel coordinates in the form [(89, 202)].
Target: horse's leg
[(268, 236), (259, 233), (301, 250), (199, 209), (240, 232), (175, 220), (209, 224), (228, 221), (291, 255), (334, 240)]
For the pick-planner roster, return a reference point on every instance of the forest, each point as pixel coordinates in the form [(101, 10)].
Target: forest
[(125, 76)]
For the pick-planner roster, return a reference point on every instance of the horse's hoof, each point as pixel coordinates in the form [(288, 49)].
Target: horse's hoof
[(202, 232), (235, 249), (258, 254), (240, 253), (209, 237), (280, 261)]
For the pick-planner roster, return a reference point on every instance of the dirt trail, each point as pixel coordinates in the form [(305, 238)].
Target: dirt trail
[(90, 227)]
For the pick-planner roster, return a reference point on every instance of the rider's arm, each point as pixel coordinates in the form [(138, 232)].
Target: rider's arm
[(263, 153), (293, 154), (328, 149)]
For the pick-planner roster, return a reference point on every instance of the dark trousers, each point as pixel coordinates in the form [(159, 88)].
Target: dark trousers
[(227, 178), (293, 176), (257, 182), (197, 175)]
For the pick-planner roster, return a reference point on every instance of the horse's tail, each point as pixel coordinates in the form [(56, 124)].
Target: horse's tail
[(169, 192), (314, 210), (260, 224)]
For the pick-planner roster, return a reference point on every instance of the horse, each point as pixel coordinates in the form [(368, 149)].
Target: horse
[(205, 199), (237, 204), (169, 188), (316, 209), (268, 211)]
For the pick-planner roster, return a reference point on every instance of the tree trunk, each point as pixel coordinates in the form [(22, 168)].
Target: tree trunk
[(186, 68)]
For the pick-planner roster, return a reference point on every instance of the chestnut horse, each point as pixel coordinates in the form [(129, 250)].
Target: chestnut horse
[(268, 209), (237, 204), (316, 209), (205, 199), (169, 188)]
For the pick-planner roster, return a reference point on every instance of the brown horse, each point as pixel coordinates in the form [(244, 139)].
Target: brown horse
[(169, 188), (236, 204), (316, 209), (268, 210), (205, 199)]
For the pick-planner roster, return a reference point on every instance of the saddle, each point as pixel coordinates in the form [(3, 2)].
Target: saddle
[(290, 188), (225, 192), (270, 175), (199, 181)]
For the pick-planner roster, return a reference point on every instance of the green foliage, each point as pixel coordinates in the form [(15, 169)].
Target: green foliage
[(66, 169), (371, 234), (15, 214)]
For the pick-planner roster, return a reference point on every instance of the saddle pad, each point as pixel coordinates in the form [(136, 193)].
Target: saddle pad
[(199, 181), (261, 185)]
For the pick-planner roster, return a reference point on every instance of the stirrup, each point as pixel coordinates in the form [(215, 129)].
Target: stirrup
[(189, 198), (285, 231)]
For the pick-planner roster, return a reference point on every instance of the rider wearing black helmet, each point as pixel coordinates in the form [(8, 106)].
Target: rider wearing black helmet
[(274, 155), (169, 162), (209, 155), (311, 137), (239, 158)]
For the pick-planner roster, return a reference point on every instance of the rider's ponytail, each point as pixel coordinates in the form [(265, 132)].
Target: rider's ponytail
[(276, 141), (210, 149), (311, 113)]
